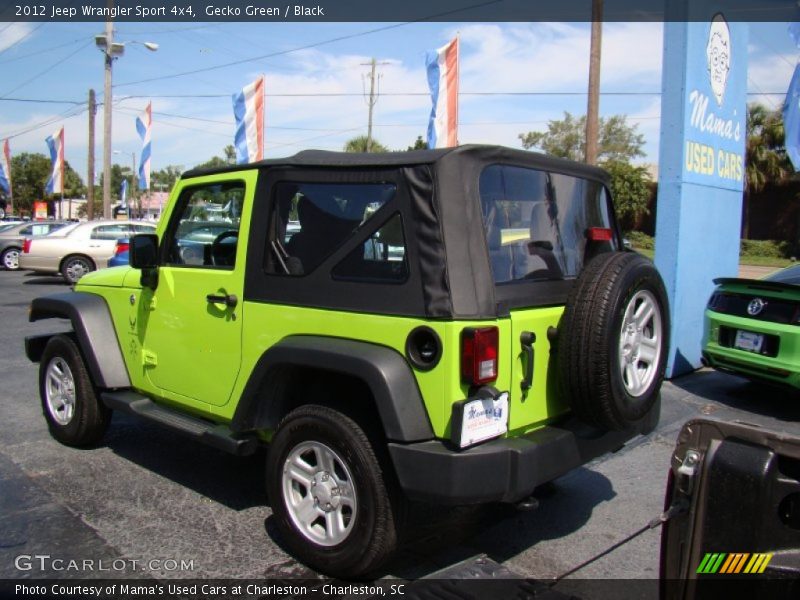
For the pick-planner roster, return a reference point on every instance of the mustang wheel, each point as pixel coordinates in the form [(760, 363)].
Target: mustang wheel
[(328, 494), (75, 267), (10, 259), (74, 414), (613, 340)]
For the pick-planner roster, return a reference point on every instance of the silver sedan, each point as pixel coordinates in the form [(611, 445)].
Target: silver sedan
[(77, 249)]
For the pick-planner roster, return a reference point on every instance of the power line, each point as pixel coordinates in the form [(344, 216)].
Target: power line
[(39, 101), (8, 60), (24, 37), (68, 114), (305, 47), (47, 70)]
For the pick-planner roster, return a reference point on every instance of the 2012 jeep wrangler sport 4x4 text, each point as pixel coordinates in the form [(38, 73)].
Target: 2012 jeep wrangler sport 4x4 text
[(453, 326)]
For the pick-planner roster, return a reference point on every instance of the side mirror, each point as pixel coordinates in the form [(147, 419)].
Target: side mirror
[(144, 251), (143, 254)]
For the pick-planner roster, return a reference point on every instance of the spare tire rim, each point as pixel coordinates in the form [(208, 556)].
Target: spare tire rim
[(59, 390), (319, 493), (640, 343)]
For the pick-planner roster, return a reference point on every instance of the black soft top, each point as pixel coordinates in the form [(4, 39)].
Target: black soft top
[(468, 153), (438, 194)]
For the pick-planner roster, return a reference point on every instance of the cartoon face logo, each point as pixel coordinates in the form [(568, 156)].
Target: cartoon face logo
[(718, 55)]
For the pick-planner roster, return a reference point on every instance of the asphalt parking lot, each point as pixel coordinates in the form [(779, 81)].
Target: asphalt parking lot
[(157, 505)]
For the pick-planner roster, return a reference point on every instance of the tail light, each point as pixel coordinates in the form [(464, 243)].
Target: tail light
[(479, 351), (26, 245), (121, 247), (599, 234)]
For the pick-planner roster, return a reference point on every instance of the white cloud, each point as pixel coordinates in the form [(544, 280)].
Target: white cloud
[(14, 33)]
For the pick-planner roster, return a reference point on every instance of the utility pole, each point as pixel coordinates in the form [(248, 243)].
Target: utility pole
[(593, 104), (373, 98), (109, 63), (90, 166)]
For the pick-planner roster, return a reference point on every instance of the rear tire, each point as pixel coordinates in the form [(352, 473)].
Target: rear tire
[(613, 341), (76, 266), (328, 493), (70, 405), (10, 259)]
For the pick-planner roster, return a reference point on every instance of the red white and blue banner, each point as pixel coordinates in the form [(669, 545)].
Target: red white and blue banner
[(443, 83), (248, 108), (144, 127), (123, 194), (5, 169), (55, 185)]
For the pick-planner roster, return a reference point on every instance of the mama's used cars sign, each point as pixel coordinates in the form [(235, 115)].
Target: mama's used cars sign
[(715, 108)]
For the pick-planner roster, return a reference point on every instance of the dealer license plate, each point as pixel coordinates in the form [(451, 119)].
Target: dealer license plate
[(747, 340), (483, 419)]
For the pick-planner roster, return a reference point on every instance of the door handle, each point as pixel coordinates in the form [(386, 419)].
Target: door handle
[(229, 300), (527, 339)]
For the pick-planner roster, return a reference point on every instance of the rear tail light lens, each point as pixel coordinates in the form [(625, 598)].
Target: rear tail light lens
[(26, 245), (121, 247), (599, 234), (479, 352)]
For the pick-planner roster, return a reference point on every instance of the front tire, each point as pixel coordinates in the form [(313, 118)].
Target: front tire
[(70, 405), (75, 267), (10, 259), (328, 493)]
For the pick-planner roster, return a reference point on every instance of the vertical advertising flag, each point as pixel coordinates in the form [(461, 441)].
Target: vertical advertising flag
[(55, 185), (144, 126), (791, 119), (123, 194), (5, 169), (443, 83), (248, 108)]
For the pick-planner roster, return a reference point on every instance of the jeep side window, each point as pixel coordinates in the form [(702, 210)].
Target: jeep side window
[(204, 228), (536, 222), (381, 258), (310, 221)]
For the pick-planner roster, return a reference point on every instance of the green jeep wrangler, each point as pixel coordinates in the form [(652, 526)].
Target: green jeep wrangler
[(453, 326)]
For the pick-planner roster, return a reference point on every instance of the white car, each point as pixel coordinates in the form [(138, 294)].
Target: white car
[(78, 249)]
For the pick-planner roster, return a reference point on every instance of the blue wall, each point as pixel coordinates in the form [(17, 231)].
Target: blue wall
[(701, 171)]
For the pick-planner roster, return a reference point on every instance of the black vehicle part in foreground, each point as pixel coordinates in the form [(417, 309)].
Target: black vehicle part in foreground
[(740, 536)]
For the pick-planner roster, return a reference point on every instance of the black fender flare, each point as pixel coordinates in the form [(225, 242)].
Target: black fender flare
[(384, 371), (94, 330)]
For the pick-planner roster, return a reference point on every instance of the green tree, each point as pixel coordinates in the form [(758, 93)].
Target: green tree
[(419, 144), (230, 154), (630, 188), (566, 138), (765, 154), (164, 179), (618, 143), (29, 174), (359, 144)]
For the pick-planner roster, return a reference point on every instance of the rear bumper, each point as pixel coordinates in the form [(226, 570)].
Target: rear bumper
[(504, 470)]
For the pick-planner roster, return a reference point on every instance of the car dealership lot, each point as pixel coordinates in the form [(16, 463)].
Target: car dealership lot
[(150, 503)]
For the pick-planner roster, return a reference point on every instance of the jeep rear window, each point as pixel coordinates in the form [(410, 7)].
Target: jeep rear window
[(312, 220), (536, 222)]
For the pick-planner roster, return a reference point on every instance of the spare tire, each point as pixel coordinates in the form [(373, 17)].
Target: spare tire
[(613, 340)]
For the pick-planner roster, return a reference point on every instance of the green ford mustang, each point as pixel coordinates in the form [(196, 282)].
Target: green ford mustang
[(752, 327)]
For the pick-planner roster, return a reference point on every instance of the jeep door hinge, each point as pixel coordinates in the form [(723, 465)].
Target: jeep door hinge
[(149, 358), (687, 471)]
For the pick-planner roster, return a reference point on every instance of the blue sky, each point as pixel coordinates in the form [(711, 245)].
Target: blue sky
[(58, 61)]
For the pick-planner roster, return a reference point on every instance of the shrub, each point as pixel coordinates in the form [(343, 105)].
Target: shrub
[(641, 240), (765, 248)]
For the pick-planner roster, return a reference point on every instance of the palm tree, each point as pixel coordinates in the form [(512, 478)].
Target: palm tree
[(765, 154), (359, 144)]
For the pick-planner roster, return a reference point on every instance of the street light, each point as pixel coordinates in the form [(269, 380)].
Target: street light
[(111, 50)]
